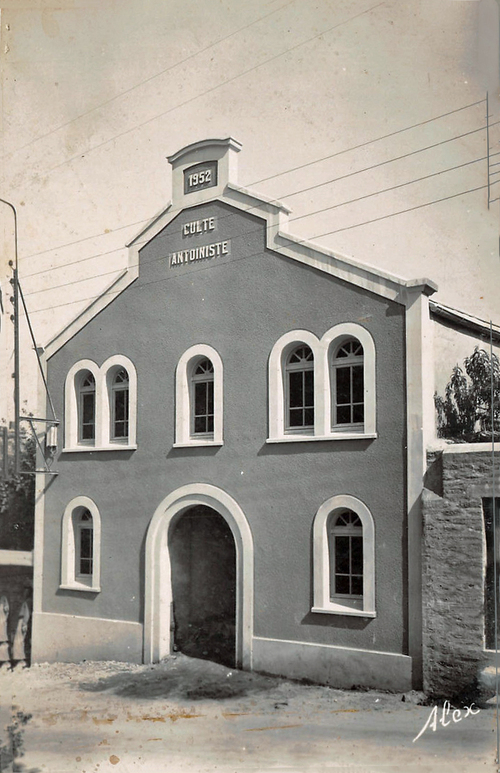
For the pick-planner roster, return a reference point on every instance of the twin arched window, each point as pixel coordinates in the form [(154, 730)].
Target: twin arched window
[(322, 388), (101, 405)]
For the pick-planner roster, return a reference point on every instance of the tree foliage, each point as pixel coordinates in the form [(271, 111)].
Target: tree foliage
[(17, 500), (465, 413)]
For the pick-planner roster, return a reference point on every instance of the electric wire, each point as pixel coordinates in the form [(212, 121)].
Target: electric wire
[(254, 230), (287, 195), (276, 250), (211, 90), (370, 142), (146, 80)]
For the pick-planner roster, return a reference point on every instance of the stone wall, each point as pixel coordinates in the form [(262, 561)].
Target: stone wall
[(454, 555)]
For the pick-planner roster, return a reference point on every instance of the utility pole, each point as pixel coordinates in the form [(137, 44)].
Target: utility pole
[(15, 282)]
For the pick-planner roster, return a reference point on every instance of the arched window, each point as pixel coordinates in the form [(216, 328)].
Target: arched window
[(198, 397), (120, 405), (202, 398), (300, 389), (348, 400), (81, 546), (84, 544), (100, 405), (345, 546), (344, 558), (86, 407)]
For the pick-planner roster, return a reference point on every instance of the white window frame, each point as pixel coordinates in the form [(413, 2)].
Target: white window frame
[(109, 368), (330, 342), (70, 580), (297, 368), (321, 559), (184, 434), (278, 388), (322, 350), (72, 406), (103, 376)]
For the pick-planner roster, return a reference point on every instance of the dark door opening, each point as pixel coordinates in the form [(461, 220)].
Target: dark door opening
[(203, 565)]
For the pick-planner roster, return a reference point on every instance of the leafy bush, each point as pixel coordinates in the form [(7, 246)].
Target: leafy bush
[(465, 412), (17, 500)]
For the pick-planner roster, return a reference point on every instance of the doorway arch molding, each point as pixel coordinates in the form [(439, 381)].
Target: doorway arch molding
[(158, 581)]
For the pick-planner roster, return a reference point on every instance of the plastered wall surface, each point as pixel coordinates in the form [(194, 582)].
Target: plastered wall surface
[(240, 304)]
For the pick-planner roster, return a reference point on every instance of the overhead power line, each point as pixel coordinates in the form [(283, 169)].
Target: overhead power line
[(369, 142), (254, 230), (285, 196), (146, 80), (274, 249), (211, 90)]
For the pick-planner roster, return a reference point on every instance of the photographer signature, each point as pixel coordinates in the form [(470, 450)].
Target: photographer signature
[(456, 716)]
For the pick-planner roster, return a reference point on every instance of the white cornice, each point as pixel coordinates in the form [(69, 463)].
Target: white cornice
[(278, 240)]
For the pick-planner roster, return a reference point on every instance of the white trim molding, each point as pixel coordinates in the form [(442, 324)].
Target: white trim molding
[(278, 239), (184, 435), (69, 580), (63, 638), (158, 590), (322, 351), (329, 342), (102, 376), (321, 563), (333, 665)]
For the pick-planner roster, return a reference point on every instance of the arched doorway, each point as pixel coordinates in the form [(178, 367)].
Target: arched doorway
[(160, 623), (203, 567)]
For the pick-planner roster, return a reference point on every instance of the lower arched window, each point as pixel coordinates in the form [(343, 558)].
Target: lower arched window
[(84, 543), (344, 558), (81, 546), (345, 547)]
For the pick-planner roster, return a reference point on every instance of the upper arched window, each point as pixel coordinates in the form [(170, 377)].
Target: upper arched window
[(322, 389), (348, 398), (120, 405), (100, 405), (300, 389), (198, 397), (86, 407), (202, 398)]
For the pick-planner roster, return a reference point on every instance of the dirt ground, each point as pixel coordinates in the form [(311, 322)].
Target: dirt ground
[(186, 715)]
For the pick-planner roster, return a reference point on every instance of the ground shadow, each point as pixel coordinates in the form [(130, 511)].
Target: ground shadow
[(180, 677)]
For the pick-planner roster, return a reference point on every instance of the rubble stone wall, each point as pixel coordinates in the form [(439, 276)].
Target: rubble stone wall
[(454, 557)]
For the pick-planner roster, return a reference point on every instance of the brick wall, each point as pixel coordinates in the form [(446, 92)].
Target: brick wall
[(454, 568)]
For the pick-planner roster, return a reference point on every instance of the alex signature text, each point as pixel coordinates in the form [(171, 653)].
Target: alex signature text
[(456, 716)]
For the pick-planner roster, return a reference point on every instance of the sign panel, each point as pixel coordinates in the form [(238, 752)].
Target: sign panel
[(200, 176)]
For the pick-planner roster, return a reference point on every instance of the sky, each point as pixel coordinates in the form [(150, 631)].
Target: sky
[(333, 101)]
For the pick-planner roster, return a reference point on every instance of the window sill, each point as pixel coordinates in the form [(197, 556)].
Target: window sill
[(198, 443), (340, 610), (91, 449), (80, 587), (333, 436)]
